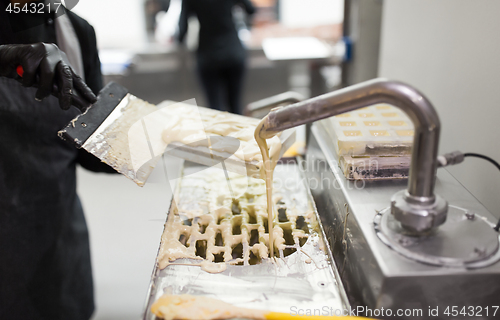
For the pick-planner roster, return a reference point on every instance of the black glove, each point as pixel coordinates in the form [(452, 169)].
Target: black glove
[(46, 67)]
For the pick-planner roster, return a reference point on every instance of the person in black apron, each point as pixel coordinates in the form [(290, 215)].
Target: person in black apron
[(45, 269)]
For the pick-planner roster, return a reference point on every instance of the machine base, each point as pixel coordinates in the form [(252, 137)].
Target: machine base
[(466, 240)]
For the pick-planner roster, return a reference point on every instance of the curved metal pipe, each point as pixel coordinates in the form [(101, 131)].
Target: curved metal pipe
[(403, 96), (425, 119)]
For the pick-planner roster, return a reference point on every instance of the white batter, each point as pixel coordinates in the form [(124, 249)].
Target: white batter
[(190, 307)]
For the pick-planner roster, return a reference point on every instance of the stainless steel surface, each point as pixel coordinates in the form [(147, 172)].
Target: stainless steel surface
[(418, 209), (117, 112), (375, 275), (294, 281), (259, 109), (465, 240), (98, 145)]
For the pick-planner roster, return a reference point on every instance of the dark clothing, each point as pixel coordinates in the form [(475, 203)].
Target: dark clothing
[(217, 79), (220, 51), (218, 39), (45, 270)]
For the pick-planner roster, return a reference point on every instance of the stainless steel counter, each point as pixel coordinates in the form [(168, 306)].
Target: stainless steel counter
[(374, 274)]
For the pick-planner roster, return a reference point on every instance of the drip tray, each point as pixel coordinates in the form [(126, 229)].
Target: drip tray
[(303, 277)]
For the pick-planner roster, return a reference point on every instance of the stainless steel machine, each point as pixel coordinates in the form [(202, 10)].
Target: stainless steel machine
[(421, 248), (429, 251)]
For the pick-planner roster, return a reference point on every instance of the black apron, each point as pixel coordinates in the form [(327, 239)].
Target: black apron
[(45, 270), (45, 267)]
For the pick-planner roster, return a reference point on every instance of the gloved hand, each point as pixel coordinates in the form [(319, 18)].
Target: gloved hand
[(46, 67)]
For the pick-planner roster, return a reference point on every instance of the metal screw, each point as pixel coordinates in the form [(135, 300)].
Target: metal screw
[(404, 242), (480, 251), (470, 215)]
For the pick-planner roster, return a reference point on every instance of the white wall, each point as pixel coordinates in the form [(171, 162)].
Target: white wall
[(450, 50), (118, 23), (311, 13)]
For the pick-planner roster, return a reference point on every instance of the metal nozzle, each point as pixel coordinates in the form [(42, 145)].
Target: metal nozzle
[(417, 208)]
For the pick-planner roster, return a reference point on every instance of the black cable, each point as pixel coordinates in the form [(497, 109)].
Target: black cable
[(496, 164), (483, 157)]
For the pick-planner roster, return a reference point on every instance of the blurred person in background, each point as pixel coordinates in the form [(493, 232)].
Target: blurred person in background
[(45, 268), (221, 56)]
